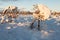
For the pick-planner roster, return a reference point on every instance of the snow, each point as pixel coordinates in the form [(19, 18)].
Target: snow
[(20, 30)]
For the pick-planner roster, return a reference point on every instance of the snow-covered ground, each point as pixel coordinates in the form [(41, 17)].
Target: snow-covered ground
[(20, 30)]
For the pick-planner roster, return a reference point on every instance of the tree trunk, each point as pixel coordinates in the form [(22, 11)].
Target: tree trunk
[(39, 25), (32, 24)]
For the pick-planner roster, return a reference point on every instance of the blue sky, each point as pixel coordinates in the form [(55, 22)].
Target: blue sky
[(52, 4)]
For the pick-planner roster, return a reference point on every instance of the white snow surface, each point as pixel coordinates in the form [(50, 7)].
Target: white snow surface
[(19, 30)]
